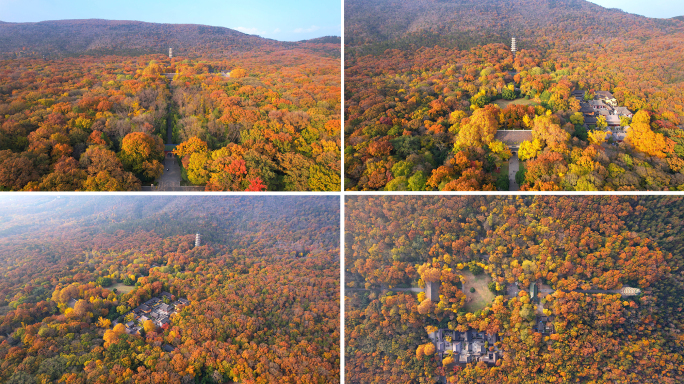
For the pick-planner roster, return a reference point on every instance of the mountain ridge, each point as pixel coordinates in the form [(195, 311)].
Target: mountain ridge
[(467, 23), (79, 36)]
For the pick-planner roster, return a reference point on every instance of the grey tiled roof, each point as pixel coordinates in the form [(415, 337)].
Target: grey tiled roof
[(513, 138)]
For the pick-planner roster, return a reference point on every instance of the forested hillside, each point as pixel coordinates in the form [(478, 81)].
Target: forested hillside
[(541, 274), (263, 288), (465, 23), (261, 119), (59, 38), (429, 85)]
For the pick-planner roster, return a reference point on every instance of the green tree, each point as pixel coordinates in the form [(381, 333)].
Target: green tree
[(475, 269), (520, 175), (417, 181), (508, 94), (577, 118)]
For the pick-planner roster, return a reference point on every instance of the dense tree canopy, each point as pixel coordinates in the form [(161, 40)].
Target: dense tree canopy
[(272, 110), (263, 289), (419, 73), (566, 245)]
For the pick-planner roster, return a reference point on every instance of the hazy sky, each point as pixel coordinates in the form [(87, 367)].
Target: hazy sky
[(651, 8), (289, 20)]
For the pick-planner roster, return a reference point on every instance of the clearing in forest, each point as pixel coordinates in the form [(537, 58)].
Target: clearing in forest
[(120, 288), (478, 300), (505, 103)]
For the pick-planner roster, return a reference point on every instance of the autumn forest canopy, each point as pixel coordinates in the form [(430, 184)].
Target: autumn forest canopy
[(432, 86), (96, 105), (262, 287), (582, 289)]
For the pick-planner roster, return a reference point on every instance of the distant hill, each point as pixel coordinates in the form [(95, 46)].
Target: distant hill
[(325, 40), (466, 23), (20, 214), (681, 18), (94, 36)]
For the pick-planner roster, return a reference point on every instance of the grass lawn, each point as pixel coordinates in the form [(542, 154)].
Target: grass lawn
[(121, 288), (504, 168), (502, 103), (482, 296)]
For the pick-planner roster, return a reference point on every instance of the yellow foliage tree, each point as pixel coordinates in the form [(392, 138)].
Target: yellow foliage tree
[(111, 336), (104, 323), (597, 137), (529, 149), (238, 73), (643, 139), (547, 131), (479, 129), (152, 69), (456, 116), (420, 351), (527, 121), (427, 306), (428, 273), (601, 122), (197, 170), (190, 146), (140, 151), (429, 349), (149, 326), (500, 149)]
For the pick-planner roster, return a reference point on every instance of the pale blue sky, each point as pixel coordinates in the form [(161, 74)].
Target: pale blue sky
[(288, 20), (651, 8)]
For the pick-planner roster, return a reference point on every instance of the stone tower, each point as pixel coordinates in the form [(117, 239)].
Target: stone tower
[(513, 47), (170, 53), (198, 240)]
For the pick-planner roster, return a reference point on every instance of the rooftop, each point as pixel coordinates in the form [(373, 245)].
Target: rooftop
[(513, 138), (604, 94)]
